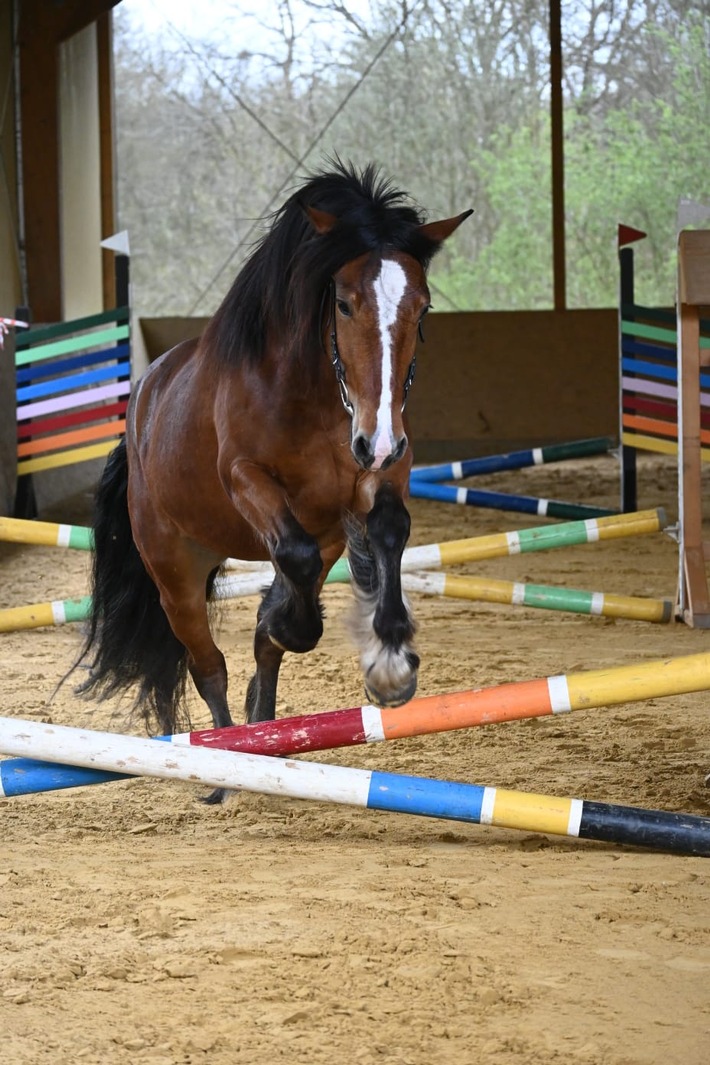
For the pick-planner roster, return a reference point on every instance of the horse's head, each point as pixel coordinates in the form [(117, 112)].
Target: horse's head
[(377, 303)]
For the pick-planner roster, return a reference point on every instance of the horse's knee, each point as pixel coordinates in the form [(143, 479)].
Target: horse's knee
[(388, 523), (297, 555)]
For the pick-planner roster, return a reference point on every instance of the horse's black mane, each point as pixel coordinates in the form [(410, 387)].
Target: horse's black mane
[(280, 288)]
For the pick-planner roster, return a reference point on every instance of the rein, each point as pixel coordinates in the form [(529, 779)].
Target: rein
[(337, 363)]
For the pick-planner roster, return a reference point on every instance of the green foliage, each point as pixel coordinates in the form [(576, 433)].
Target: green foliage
[(513, 270), (632, 167)]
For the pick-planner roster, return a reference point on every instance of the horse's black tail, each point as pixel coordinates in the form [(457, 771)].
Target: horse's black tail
[(129, 640)]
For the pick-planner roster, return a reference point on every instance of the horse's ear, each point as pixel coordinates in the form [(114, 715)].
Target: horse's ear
[(439, 231), (322, 221)]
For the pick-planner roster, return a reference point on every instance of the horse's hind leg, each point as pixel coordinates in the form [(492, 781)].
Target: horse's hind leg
[(383, 626), (184, 576), (185, 603), (260, 704), (189, 621)]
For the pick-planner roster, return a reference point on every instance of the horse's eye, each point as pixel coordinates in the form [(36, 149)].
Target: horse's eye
[(344, 309), (425, 313)]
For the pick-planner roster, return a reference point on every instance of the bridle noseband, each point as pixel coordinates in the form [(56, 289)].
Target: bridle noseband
[(337, 363)]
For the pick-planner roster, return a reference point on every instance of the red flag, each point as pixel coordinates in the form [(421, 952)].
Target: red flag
[(627, 235)]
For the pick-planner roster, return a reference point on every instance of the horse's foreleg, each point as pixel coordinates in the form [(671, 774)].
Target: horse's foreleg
[(383, 626), (289, 617)]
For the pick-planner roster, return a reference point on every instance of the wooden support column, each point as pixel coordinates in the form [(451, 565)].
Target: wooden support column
[(42, 27), (559, 262), (693, 292), (40, 164), (106, 133)]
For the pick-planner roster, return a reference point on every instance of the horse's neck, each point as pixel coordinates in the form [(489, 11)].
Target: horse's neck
[(308, 382), (281, 392)]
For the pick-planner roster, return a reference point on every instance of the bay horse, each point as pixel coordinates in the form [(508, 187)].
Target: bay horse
[(281, 433)]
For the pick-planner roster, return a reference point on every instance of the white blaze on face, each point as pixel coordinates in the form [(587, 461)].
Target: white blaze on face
[(389, 286)]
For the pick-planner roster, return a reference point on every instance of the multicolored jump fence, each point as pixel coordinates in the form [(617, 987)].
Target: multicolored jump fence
[(649, 381), (73, 382)]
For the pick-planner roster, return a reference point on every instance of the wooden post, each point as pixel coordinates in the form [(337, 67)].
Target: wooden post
[(559, 263), (628, 454), (41, 29), (693, 292)]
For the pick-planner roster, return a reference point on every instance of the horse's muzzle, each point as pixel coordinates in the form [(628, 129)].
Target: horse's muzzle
[(366, 457)]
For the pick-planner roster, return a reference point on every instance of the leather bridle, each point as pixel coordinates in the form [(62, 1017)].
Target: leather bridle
[(337, 362)]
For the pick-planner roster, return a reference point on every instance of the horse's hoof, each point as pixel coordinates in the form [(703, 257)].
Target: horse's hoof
[(392, 699), (215, 798)]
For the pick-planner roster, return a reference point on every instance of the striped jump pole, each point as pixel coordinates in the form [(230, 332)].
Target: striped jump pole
[(542, 596), (39, 615), (515, 701), (490, 590), (541, 538), (498, 545), (550, 508), (475, 589), (514, 460), (426, 556), (46, 533), (369, 789)]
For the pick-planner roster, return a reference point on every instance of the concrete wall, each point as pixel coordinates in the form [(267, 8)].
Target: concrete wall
[(494, 381)]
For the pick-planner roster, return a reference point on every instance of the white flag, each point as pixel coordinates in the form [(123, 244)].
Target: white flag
[(118, 243)]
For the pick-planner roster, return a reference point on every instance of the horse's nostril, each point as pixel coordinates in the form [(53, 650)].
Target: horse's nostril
[(396, 455), (362, 451), (401, 448)]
